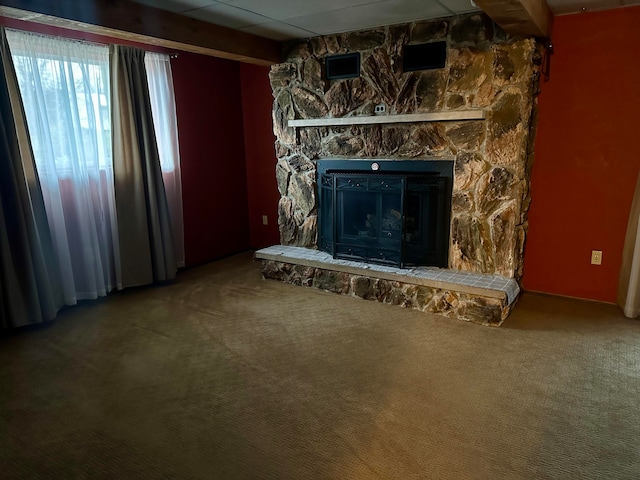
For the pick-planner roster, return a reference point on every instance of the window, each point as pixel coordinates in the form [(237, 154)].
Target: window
[(65, 89)]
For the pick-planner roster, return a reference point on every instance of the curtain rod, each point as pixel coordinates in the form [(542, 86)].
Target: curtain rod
[(171, 55)]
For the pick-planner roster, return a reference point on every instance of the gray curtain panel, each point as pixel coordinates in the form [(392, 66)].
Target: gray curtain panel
[(146, 247), (29, 276)]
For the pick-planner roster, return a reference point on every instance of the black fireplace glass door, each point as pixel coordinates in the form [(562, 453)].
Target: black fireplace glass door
[(397, 213), (368, 219), (426, 223), (326, 242)]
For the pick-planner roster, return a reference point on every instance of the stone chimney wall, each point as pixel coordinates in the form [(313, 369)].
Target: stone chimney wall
[(485, 69)]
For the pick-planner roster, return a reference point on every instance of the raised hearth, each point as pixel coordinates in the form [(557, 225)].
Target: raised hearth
[(479, 298)]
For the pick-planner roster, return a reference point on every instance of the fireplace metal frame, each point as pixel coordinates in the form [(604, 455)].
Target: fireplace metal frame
[(427, 178)]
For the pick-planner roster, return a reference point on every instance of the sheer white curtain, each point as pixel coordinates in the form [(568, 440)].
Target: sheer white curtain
[(65, 89), (163, 107)]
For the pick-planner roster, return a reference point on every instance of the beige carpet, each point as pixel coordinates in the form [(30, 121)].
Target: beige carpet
[(223, 375)]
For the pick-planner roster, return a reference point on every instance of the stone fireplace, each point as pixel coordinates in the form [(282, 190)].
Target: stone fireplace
[(478, 112)]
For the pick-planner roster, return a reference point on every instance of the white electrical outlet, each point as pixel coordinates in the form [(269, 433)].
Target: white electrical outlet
[(380, 109), (596, 257), (265, 220)]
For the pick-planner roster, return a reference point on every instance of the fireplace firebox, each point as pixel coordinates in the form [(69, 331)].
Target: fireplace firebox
[(389, 212)]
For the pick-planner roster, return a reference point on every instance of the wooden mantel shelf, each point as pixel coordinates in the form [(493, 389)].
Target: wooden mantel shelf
[(451, 116)]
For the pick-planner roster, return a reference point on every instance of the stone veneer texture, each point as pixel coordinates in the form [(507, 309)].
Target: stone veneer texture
[(485, 69), (448, 303)]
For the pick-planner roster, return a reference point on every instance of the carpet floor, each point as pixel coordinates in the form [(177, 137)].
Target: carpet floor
[(223, 375)]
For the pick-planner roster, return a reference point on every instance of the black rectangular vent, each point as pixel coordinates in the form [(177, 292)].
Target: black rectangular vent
[(425, 56), (342, 66)]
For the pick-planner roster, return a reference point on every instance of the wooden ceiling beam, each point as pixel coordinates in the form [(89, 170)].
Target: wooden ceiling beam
[(127, 20), (525, 18)]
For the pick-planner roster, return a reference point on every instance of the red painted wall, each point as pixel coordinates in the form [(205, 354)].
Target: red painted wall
[(210, 129), (586, 155), (262, 189)]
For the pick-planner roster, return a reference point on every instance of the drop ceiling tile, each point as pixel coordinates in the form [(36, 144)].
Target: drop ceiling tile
[(459, 6), (227, 16), (177, 6), (281, 9), (368, 16), (278, 31)]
